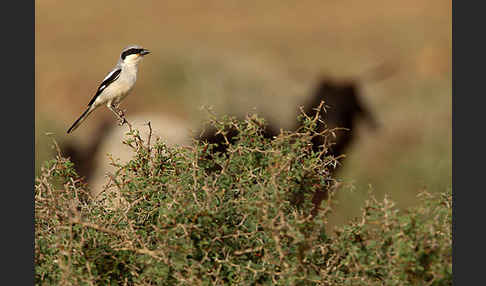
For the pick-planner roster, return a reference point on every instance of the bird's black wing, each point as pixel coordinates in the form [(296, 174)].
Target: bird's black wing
[(109, 79)]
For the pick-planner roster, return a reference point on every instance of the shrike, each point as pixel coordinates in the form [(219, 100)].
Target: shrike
[(116, 85)]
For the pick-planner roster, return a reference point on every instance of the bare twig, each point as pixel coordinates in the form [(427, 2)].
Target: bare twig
[(96, 227), (149, 136), (249, 250)]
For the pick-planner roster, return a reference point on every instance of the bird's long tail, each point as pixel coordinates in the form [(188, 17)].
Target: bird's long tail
[(81, 119)]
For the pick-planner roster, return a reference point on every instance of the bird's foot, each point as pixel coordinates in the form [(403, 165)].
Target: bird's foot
[(122, 120), (120, 113), (122, 116)]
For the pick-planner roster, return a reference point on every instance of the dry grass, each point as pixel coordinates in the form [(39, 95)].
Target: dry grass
[(237, 55)]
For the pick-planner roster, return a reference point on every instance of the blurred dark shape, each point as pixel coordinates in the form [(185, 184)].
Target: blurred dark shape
[(343, 108), (84, 158)]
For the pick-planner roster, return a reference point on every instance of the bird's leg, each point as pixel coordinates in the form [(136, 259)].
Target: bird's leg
[(121, 112), (120, 115)]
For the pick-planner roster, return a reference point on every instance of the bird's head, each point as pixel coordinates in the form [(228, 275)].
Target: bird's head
[(132, 55)]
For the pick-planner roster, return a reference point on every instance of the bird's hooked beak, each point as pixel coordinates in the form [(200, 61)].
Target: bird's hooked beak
[(144, 52)]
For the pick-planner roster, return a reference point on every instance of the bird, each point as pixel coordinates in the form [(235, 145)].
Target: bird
[(116, 85)]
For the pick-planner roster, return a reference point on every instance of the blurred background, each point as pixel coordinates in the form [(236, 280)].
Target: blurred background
[(263, 56)]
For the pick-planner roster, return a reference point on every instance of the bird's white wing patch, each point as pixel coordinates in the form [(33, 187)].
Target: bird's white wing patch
[(101, 88), (110, 78), (109, 74)]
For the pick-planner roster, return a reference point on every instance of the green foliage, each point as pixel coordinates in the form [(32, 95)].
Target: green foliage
[(180, 222)]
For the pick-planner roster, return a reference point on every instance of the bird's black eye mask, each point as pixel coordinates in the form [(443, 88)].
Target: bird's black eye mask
[(131, 52)]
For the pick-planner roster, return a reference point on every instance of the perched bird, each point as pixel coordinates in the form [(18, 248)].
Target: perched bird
[(116, 85)]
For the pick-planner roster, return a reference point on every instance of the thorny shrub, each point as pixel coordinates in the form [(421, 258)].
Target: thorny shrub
[(248, 223)]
